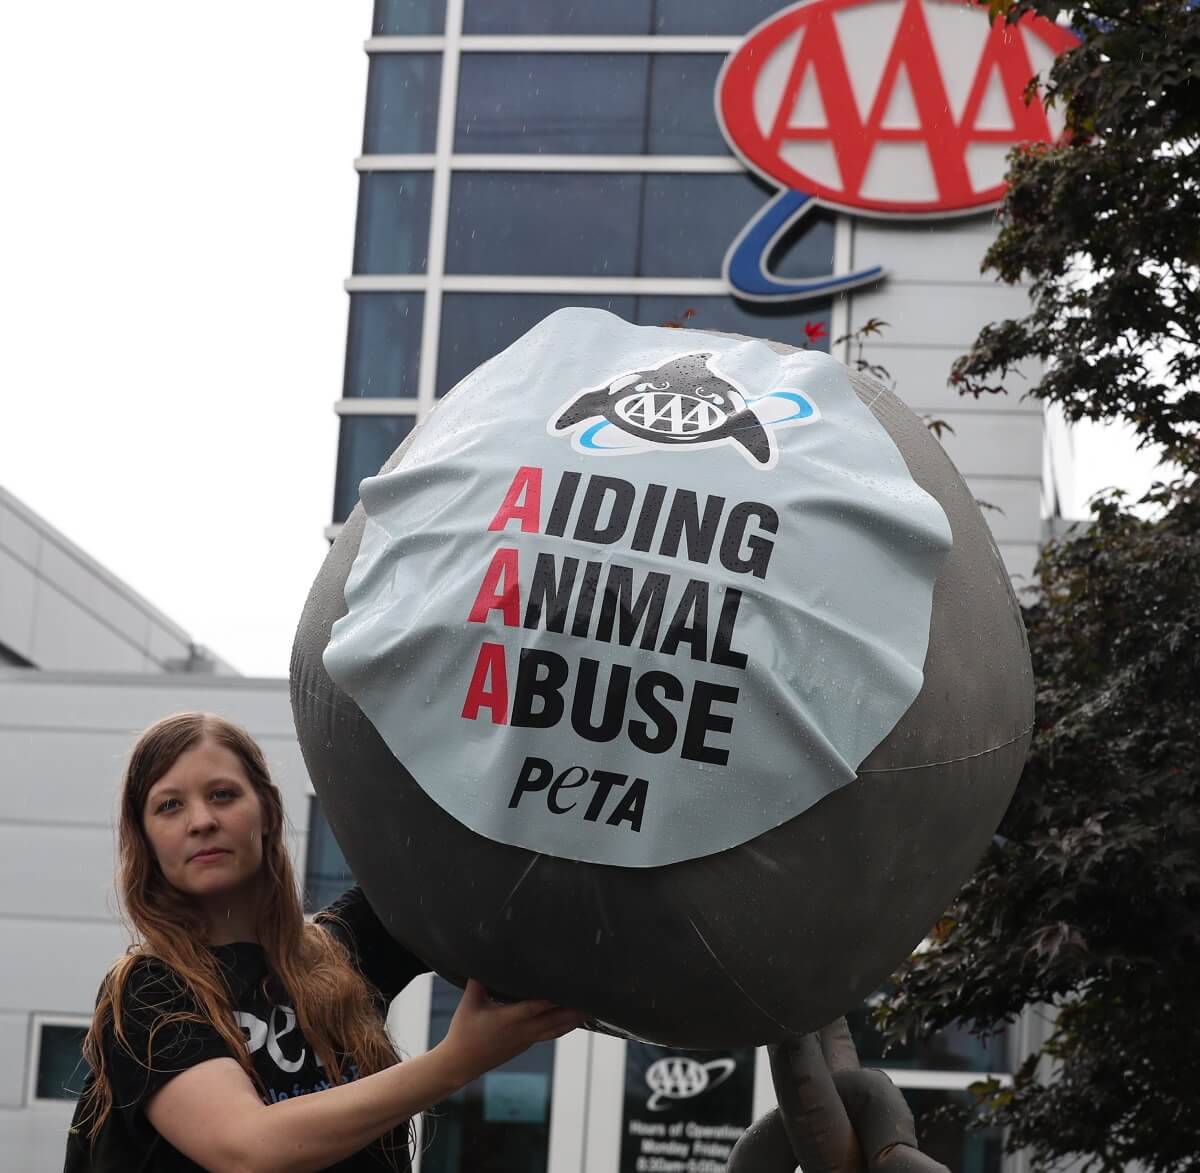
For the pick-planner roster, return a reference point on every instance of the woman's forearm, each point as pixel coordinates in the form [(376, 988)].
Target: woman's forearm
[(212, 1112), (314, 1131)]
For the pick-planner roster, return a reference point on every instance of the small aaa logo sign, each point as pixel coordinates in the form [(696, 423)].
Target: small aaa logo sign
[(902, 108)]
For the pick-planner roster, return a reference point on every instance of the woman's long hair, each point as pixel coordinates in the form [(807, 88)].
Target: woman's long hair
[(334, 1006)]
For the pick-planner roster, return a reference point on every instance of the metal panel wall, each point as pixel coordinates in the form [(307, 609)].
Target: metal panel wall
[(934, 301)]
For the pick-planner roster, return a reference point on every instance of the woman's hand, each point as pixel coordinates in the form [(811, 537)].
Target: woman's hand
[(484, 1034)]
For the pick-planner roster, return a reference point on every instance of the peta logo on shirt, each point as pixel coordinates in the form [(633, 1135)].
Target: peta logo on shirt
[(259, 1033), (270, 1034)]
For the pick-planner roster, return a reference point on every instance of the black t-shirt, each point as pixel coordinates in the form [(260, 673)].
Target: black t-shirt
[(285, 1063)]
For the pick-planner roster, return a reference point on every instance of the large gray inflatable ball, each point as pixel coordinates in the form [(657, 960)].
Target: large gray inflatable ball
[(672, 676)]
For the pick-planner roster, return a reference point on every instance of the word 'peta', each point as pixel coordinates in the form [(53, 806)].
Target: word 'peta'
[(537, 774)]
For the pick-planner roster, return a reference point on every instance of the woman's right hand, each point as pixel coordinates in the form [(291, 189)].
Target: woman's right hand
[(484, 1034)]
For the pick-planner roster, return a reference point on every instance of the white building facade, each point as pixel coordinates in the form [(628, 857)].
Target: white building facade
[(85, 665)]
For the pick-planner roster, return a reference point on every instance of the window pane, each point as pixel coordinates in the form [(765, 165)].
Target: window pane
[(326, 873), (365, 443), (557, 16), (476, 326), (712, 16), (806, 249), (393, 222), (574, 225), (556, 103), (61, 1069), (412, 17), (551, 103), (681, 119), (383, 347), (804, 325), (633, 17), (613, 225), (948, 1140), (948, 1050), (402, 103), (689, 221), (499, 1123)]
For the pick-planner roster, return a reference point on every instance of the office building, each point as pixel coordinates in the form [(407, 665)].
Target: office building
[(524, 155)]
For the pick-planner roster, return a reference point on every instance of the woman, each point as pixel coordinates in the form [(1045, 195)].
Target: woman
[(211, 1032)]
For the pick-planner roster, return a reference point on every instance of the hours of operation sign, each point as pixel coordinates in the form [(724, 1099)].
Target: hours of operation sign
[(684, 1110)]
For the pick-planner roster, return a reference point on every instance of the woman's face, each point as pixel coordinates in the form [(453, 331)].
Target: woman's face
[(205, 823)]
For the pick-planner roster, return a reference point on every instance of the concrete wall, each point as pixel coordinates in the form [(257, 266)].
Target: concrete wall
[(935, 300), (61, 610), (63, 743)]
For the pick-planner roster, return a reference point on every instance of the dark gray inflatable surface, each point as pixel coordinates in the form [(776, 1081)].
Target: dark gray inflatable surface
[(776, 936)]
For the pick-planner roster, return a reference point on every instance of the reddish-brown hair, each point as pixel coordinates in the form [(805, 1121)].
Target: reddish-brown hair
[(334, 1005)]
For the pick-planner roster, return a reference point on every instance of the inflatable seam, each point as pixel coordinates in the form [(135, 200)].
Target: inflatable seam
[(952, 761), (742, 989)]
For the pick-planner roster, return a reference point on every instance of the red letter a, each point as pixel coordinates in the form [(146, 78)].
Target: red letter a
[(492, 595), (489, 664), (528, 512)]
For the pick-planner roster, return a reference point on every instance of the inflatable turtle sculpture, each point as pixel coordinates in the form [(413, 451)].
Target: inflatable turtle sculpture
[(674, 676)]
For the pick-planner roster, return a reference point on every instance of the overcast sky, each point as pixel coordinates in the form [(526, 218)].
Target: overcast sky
[(178, 219)]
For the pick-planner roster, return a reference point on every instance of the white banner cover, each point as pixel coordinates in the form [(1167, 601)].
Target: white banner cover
[(634, 595)]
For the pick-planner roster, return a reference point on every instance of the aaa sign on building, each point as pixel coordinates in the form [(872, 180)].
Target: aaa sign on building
[(898, 108)]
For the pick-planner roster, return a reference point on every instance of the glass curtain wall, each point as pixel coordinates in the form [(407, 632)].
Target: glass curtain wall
[(501, 180)]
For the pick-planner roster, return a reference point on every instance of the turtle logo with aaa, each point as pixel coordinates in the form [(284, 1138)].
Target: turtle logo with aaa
[(683, 403)]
